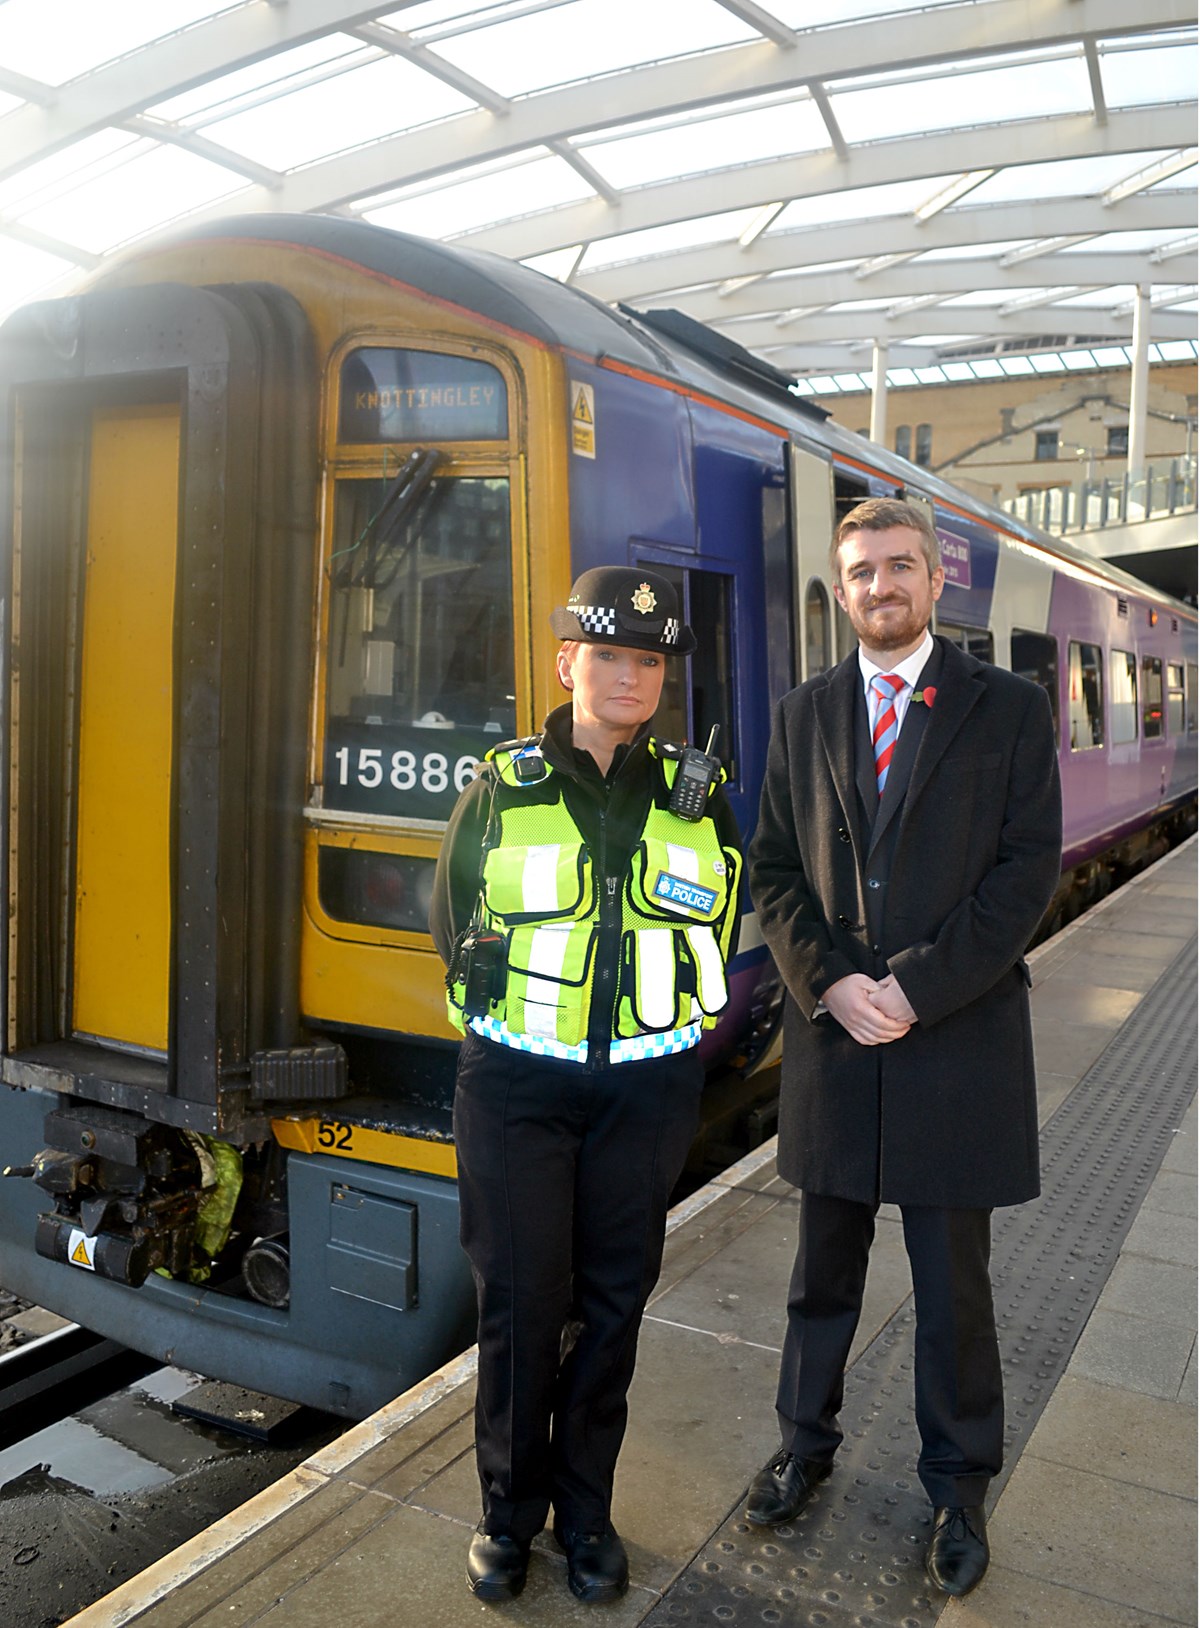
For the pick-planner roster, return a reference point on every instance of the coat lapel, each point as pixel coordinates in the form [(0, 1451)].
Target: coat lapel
[(958, 690), (833, 708)]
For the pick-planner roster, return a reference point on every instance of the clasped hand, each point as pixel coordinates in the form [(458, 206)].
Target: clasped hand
[(872, 1012)]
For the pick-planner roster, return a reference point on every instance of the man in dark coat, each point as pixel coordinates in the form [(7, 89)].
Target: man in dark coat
[(909, 842)]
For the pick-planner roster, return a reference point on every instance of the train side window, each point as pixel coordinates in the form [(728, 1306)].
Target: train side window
[(1122, 696), (1035, 656), (1152, 698), (976, 641), (421, 674), (817, 629), (1176, 707), (1085, 696), (698, 693), (1193, 676)]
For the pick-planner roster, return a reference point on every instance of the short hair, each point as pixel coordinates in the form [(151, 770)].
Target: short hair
[(881, 514)]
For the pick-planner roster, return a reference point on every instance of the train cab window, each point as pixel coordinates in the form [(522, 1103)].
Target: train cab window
[(1176, 702), (421, 676), (1035, 656), (976, 641), (817, 630), (1152, 698), (1085, 696), (698, 693), (389, 395), (1193, 676), (1122, 696)]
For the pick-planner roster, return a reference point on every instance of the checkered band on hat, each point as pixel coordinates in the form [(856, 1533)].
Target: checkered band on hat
[(595, 618), (670, 630)]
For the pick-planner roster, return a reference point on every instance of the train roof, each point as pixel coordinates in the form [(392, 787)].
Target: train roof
[(667, 344)]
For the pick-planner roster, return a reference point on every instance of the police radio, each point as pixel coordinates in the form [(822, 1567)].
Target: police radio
[(694, 779)]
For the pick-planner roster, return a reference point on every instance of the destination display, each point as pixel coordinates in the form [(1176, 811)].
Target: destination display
[(389, 394)]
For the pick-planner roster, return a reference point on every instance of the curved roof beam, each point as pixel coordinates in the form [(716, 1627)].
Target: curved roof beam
[(748, 186), (939, 279), (763, 336), (972, 225), (140, 81)]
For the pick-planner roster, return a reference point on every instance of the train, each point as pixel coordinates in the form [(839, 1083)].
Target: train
[(286, 502)]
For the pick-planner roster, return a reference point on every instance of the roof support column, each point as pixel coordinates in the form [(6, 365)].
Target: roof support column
[(879, 361), (1139, 384)]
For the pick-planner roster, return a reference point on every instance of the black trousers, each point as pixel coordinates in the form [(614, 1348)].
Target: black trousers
[(564, 1179), (959, 1386)]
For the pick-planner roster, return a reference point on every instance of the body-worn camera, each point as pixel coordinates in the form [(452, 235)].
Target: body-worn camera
[(480, 967)]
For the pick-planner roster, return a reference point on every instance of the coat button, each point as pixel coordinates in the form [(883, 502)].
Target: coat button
[(844, 921), (843, 834), (875, 950)]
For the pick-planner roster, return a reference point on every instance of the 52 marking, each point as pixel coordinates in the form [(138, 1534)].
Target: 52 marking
[(336, 1134)]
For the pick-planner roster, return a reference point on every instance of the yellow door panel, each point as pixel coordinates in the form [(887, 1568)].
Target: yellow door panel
[(123, 830)]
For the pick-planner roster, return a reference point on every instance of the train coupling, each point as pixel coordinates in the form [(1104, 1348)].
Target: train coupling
[(126, 1192)]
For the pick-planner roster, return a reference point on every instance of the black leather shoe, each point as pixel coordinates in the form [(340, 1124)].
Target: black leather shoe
[(496, 1565), (781, 1488), (957, 1556), (597, 1565)]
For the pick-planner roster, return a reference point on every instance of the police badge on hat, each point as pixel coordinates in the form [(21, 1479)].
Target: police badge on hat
[(624, 605)]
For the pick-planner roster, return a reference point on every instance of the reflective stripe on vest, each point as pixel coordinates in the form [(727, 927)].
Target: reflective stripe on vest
[(634, 1050)]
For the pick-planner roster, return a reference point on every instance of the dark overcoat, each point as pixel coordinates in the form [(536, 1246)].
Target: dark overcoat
[(947, 1115)]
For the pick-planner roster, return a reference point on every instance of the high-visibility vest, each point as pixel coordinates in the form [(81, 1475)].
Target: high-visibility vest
[(673, 910)]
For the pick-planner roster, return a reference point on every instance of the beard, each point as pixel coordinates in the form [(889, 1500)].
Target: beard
[(903, 627)]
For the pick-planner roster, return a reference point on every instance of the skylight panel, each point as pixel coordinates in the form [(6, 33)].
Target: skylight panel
[(25, 273), (58, 40), (64, 170), (258, 79), (962, 97), (588, 38), (709, 143), (1062, 177), (1157, 74), (684, 234), (151, 189), (462, 206), (362, 105), (860, 203)]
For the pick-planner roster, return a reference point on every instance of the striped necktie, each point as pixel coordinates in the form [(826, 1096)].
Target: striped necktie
[(884, 687)]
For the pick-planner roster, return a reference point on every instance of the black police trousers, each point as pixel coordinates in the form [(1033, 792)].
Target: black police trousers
[(564, 1178)]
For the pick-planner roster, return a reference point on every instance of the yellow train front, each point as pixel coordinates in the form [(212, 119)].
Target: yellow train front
[(286, 505)]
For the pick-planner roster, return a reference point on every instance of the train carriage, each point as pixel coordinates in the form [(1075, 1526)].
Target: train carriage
[(286, 505)]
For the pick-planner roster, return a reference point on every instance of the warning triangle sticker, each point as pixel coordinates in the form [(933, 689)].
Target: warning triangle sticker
[(79, 1254), (582, 413)]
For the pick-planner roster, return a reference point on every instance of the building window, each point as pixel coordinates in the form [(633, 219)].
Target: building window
[(1118, 441), (924, 453), (1045, 446), (1122, 697), (1152, 698), (904, 440), (1085, 697)]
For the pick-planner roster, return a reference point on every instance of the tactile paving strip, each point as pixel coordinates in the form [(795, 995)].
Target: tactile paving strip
[(853, 1558)]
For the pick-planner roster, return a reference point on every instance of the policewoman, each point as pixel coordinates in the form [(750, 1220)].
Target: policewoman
[(585, 926)]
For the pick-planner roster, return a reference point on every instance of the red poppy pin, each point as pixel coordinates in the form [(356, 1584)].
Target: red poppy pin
[(926, 695)]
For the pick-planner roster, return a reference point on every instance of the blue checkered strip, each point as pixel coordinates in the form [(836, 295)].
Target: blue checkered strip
[(635, 1050), (492, 1029), (643, 1046), (595, 618), (670, 631)]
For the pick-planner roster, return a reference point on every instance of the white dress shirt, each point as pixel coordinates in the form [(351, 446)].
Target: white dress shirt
[(909, 670)]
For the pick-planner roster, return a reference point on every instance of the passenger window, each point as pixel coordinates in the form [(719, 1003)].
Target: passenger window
[(976, 641), (816, 629), (1176, 708), (1035, 656), (1122, 697), (698, 693), (1193, 676), (1085, 697), (421, 677), (1152, 698)]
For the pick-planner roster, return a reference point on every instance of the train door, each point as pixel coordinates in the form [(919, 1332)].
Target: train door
[(811, 511), (424, 663), (157, 576)]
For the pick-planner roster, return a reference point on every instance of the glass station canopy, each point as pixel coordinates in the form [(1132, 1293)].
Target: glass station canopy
[(979, 185)]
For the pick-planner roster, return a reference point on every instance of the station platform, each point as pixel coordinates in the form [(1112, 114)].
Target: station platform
[(1093, 1524)]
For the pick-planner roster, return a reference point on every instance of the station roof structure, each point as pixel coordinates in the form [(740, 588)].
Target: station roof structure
[(974, 184)]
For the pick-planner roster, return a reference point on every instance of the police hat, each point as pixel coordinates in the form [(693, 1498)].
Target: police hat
[(625, 605)]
